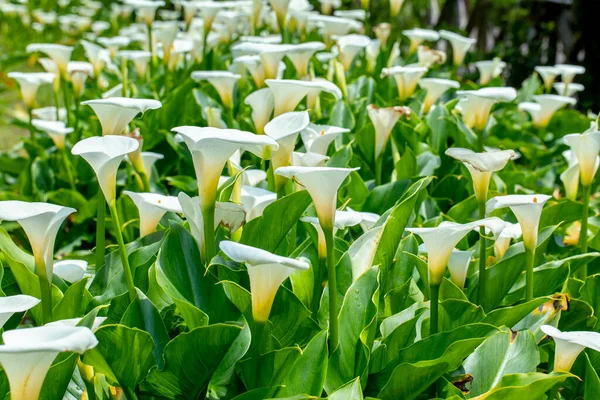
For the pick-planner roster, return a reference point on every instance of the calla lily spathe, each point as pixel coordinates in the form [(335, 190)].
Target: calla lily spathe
[(418, 36), (569, 345), (30, 83), (57, 130), (317, 138), (570, 176), (58, 53), (98, 56), (586, 147), (548, 75), (255, 200), (435, 88), (14, 304), (308, 159), (113, 44), (501, 245), (489, 69), (104, 154), (481, 166), (544, 108), (27, 355), (382, 32), (568, 90), (284, 129), (383, 120), (407, 78), (441, 241), (458, 265), (343, 219), (349, 46), (460, 45), (262, 103), (145, 9), (301, 54), (49, 113), (152, 207), (287, 93), (568, 72), (223, 81), (267, 273), (115, 113), (476, 105), (70, 270), (322, 183)]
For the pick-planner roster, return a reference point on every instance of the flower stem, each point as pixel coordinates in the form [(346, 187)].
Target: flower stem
[(318, 287), (67, 164), (434, 300), (552, 394), (31, 127), (124, 76), (45, 291), (259, 330), (63, 82), (100, 231), (208, 219), (333, 317), (123, 252), (482, 258), (529, 261), (583, 237), (378, 169), (145, 181)]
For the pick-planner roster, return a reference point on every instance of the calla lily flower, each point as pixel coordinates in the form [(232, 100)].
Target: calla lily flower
[(113, 44), (383, 32), (570, 177), (544, 108), (460, 45), (149, 159), (254, 66), (27, 355), (395, 6), (287, 93), (152, 207), (586, 147), (166, 36), (343, 220), (418, 36), (223, 81), (372, 53), (362, 251), (481, 166), (284, 129), (369, 220), (280, 7), (57, 131), (140, 59), (262, 103), (407, 78), (359, 15), (568, 72), (350, 46), (96, 55), (488, 70), (317, 138), (267, 273), (30, 83), (14, 304), (501, 245), (548, 75), (322, 183), (428, 57), (270, 55), (568, 90), (308, 159), (70, 270), (301, 54), (441, 241), (49, 114), (527, 209), (383, 120), (476, 105), (435, 88), (334, 26), (145, 9), (569, 345), (78, 72), (458, 265), (58, 53), (255, 200), (104, 154), (115, 113)]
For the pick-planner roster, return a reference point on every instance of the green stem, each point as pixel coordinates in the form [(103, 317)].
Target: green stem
[(318, 287), (433, 307), (123, 252), (100, 231), (482, 258), (333, 317), (552, 394), (56, 103), (31, 127), (583, 237), (145, 181), (151, 45), (259, 330), (45, 291), (67, 164), (529, 262), (63, 83), (124, 76), (378, 169), (208, 218), (76, 128)]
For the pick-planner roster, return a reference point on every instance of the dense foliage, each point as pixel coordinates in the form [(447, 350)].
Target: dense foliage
[(241, 200)]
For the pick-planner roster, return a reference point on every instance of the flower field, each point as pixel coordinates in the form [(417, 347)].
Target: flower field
[(287, 199)]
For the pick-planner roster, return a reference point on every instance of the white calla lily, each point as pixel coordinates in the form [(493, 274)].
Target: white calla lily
[(280, 7), (350, 46), (481, 166), (569, 345), (152, 207), (139, 58), (586, 147), (29, 83), (435, 88), (115, 113), (317, 138), (407, 77), (476, 105), (284, 129), (267, 273), (343, 219), (458, 265), (145, 9), (223, 81), (501, 245), (57, 130), (383, 120), (568, 72), (570, 177), (70, 270), (58, 53), (308, 159), (362, 251), (428, 57), (548, 75), (395, 6), (27, 355), (287, 93), (15, 304), (49, 114), (270, 55), (489, 69), (150, 158), (98, 56), (104, 154), (418, 36), (545, 107), (568, 90), (262, 103), (301, 54), (382, 32), (255, 200), (113, 44), (253, 64), (460, 45)]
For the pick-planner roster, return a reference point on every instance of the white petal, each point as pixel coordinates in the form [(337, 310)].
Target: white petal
[(70, 270), (115, 113), (14, 304)]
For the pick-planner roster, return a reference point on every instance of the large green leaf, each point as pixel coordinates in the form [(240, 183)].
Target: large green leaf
[(74, 302), (270, 369), (191, 359), (58, 377), (350, 391), (531, 385)]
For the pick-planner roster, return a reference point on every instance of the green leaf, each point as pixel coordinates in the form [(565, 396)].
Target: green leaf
[(58, 377), (108, 358), (350, 391), (509, 316), (591, 380), (501, 354), (74, 302), (532, 385), (191, 359), (270, 369), (193, 317)]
